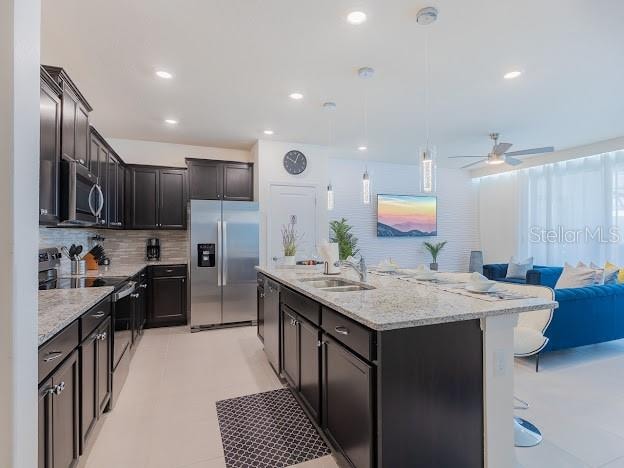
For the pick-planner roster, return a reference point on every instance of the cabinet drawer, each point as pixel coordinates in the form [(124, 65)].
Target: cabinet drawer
[(353, 335), (94, 317), (304, 306), (57, 349), (166, 270)]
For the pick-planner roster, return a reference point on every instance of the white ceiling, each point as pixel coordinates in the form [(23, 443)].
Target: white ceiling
[(236, 61)]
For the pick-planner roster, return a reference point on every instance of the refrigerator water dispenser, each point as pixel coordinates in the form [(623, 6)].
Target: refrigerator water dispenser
[(205, 255)]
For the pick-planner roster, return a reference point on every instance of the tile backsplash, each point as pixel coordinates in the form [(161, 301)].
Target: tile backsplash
[(122, 247)]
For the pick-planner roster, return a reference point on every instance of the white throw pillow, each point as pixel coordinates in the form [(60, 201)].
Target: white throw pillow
[(575, 277), (599, 279), (518, 269)]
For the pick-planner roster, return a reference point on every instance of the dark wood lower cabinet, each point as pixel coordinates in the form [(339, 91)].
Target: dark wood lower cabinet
[(348, 404), (59, 427), (167, 300), (301, 359)]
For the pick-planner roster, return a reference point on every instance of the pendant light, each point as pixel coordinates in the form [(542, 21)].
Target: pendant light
[(329, 108), (366, 195), (427, 153), (365, 73)]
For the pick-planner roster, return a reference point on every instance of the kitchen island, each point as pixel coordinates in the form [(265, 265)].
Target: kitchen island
[(397, 373)]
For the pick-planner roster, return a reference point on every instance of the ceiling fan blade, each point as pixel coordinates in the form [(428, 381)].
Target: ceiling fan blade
[(472, 164), (452, 157), (545, 149), (501, 148), (512, 161)]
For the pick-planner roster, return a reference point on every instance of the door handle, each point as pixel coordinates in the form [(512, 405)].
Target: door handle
[(342, 330), (98, 315), (93, 212), (52, 356), (99, 210), (225, 255), (219, 257), (58, 389)]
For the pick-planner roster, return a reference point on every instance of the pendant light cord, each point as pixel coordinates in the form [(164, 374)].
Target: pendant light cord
[(427, 88)]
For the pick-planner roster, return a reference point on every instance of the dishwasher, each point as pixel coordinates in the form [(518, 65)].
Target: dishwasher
[(124, 304)]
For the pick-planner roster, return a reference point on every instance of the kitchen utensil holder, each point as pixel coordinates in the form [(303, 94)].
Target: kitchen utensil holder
[(78, 267)]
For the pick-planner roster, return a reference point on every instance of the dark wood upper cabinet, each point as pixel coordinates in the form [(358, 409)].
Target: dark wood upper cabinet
[(172, 199), (205, 179), (144, 197), (220, 180), (49, 149), (74, 117), (115, 191), (157, 198), (237, 181)]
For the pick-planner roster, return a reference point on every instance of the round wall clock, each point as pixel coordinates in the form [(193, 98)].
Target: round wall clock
[(295, 162)]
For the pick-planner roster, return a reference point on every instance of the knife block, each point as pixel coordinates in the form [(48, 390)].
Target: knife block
[(92, 263)]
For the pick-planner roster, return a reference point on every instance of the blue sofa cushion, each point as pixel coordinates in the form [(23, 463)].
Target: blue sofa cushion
[(545, 276), (589, 315), (512, 280)]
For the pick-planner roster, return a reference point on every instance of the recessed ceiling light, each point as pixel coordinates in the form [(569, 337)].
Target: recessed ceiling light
[(356, 17), (171, 121), (164, 74), (512, 74), (296, 96), (362, 148), (268, 132)]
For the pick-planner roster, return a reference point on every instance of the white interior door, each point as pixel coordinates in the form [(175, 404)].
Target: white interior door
[(298, 203)]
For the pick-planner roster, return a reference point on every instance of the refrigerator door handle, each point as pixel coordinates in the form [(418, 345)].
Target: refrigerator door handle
[(219, 252), (224, 278)]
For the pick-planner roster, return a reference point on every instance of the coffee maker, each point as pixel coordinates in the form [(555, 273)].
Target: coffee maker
[(153, 249)]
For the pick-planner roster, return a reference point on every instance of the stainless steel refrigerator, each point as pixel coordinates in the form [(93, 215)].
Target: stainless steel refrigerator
[(225, 239)]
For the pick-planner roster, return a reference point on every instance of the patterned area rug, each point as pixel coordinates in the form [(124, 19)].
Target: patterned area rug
[(267, 430)]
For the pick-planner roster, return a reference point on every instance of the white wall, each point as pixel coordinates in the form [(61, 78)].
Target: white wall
[(270, 170), (171, 154), (498, 216), (457, 212), (19, 177)]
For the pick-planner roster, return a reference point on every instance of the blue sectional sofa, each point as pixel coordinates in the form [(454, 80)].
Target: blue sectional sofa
[(585, 316)]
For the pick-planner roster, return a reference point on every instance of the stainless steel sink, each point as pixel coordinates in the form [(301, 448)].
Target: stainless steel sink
[(335, 285)]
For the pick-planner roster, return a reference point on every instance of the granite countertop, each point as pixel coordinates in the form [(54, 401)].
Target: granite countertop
[(118, 269), (400, 304), (58, 308)]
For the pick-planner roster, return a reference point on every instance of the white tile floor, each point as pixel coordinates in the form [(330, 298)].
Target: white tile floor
[(577, 400), (166, 418)]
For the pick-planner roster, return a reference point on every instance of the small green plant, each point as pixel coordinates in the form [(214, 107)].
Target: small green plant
[(347, 242), (434, 249), (289, 239)]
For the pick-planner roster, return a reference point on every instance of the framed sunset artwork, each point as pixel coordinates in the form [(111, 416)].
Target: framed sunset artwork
[(407, 216)]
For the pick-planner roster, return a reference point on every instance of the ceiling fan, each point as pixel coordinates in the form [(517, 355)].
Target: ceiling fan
[(500, 155)]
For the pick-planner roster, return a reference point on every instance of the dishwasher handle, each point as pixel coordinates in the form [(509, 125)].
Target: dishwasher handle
[(125, 291)]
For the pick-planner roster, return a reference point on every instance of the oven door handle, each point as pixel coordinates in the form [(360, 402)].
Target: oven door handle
[(101, 205), (125, 292), (93, 212)]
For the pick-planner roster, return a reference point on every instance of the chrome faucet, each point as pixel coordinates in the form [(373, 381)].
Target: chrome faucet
[(359, 267)]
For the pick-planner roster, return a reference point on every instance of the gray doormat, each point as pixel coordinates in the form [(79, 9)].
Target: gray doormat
[(267, 430)]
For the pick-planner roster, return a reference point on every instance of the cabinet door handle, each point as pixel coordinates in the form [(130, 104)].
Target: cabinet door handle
[(43, 211), (98, 315), (58, 389), (134, 295), (342, 330), (52, 356), (102, 336), (143, 286), (261, 295)]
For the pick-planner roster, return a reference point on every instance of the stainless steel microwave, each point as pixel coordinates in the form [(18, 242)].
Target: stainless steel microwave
[(82, 198)]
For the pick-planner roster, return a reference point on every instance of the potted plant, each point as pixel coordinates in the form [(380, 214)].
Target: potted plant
[(347, 242), (434, 250), (289, 243)]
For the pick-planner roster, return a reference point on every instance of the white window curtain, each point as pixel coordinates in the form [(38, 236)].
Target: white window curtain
[(572, 211)]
